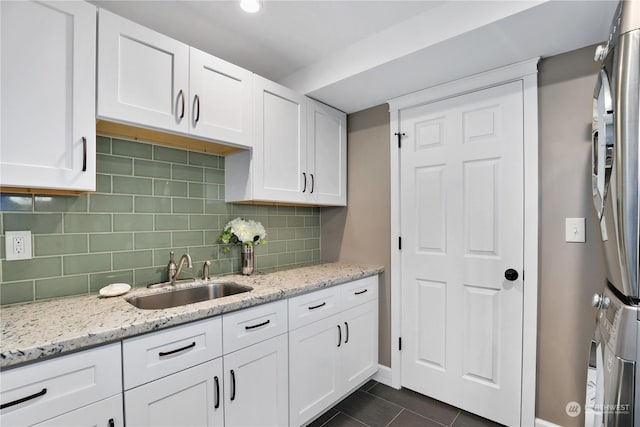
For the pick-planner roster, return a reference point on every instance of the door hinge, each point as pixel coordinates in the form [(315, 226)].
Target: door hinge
[(399, 243), (399, 343), (400, 135)]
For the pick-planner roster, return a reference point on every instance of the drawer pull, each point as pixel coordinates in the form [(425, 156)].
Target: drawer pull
[(24, 399), (181, 96), (196, 101), (217, 404), (187, 347), (346, 327), (360, 292), (84, 154), (317, 306), (233, 385), (266, 322), (339, 335), (112, 423)]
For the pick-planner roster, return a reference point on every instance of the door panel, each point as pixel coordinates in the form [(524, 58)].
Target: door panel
[(220, 99), (462, 221), (143, 76)]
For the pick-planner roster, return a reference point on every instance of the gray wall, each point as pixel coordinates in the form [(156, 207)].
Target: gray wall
[(570, 273), (361, 232)]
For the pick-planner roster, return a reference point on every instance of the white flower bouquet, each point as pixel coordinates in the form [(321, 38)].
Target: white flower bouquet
[(240, 231)]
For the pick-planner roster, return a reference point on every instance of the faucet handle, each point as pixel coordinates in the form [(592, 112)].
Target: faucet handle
[(205, 270), (172, 256)]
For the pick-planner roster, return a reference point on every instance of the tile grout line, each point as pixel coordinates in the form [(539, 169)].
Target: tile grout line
[(394, 418), (332, 417), (400, 406), (456, 417), (355, 419)]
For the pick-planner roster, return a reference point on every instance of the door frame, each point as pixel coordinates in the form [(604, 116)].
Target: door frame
[(526, 72)]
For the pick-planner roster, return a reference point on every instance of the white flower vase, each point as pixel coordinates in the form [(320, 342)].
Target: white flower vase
[(247, 259)]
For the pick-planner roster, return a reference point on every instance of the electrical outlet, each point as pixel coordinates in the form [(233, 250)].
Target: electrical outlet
[(17, 245)]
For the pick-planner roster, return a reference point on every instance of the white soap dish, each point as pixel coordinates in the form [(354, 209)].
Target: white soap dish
[(115, 289)]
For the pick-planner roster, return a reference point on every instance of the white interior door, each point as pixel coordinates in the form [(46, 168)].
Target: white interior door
[(462, 227)]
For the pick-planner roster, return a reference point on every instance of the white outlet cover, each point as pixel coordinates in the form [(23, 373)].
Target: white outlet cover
[(9, 238), (574, 230)]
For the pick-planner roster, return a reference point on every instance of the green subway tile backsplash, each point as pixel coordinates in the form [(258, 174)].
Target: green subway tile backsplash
[(150, 200)]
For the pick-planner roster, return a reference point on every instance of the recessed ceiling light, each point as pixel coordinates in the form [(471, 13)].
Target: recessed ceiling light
[(250, 6)]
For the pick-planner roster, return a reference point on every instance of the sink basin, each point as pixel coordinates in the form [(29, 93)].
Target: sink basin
[(184, 296)]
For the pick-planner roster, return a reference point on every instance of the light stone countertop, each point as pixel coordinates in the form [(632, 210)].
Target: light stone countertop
[(35, 330)]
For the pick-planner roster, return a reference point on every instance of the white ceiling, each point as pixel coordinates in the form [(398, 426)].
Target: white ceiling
[(357, 54)]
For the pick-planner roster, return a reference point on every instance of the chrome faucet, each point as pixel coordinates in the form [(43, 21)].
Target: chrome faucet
[(205, 270), (174, 271)]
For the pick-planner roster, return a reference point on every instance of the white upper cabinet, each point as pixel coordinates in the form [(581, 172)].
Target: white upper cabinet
[(327, 154), (299, 151), (143, 76), (47, 95), (280, 145), (220, 99), (149, 80)]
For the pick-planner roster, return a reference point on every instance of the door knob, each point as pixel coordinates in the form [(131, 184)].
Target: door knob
[(511, 274)]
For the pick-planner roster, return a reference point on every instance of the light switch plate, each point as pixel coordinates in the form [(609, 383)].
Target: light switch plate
[(574, 230), (17, 245)]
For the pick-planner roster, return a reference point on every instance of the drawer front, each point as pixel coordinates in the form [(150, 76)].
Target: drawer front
[(161, 353), (359, 291), (308, 308), (107, 412), (250, 326), (38, 392)]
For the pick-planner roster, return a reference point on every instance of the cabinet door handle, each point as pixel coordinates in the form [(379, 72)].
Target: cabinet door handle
[(181, 96), (304, 175), (317, 306), (233, 385), (346, 327), (84, 154), (196, 103), (266, 322), (112, 423), (217, 404), (360, 292), (24, 399), (313, 181), (339, 335), (186, 347)]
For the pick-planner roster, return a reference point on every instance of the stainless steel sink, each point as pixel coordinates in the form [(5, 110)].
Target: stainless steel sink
[(184, 296)]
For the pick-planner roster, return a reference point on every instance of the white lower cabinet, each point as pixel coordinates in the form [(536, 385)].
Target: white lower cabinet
[(83, 388), (192, 397), (330, 357), (256, 384)]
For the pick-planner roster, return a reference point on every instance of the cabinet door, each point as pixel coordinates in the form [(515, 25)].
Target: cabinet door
[(192, 397), (143, 76), (106, 412), (47, 95), (314, 380), (327, 154), (220, 99), (280, 150), (359, 349), (256, 384)]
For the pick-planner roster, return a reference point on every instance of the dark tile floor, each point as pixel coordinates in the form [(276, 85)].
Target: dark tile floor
[(377, 405)]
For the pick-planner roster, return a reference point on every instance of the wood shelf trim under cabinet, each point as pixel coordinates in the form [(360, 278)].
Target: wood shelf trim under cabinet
[(120, 130)]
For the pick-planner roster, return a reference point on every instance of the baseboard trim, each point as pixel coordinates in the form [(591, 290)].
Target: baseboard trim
[(543, 423), (383, 375)]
